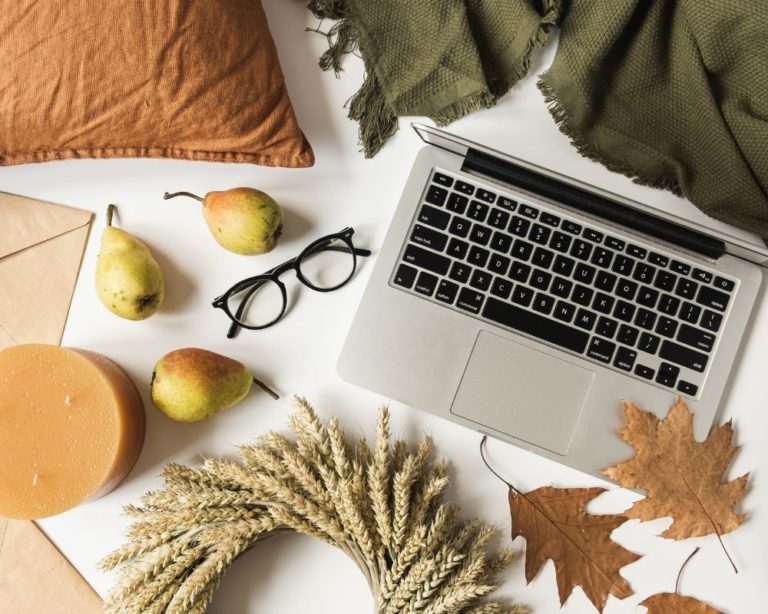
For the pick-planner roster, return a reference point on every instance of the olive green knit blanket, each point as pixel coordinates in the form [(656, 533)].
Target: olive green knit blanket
[(673, 93)]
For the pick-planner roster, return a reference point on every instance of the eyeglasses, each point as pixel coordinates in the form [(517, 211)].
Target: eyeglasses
[(258, 302)]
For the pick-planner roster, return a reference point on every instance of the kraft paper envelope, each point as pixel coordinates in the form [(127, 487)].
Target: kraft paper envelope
[(36, 579), (41, 247)]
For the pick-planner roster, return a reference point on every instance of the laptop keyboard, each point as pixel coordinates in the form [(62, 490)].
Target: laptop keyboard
[(565, 281)]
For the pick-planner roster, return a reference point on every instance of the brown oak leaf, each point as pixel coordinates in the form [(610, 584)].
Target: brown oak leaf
[(682, 477), (557, 526), (672, 603)]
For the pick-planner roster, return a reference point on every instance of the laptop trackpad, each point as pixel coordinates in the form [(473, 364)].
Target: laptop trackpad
[(522, 392)]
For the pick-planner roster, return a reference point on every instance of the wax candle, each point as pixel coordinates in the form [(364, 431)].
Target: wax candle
[(71, 428)]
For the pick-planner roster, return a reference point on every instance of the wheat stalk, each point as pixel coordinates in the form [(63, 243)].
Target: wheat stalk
[(381, 505)]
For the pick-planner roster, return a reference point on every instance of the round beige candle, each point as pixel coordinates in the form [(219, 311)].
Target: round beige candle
[(71, 428)]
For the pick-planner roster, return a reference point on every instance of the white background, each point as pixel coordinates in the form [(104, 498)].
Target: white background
[(293, 574)]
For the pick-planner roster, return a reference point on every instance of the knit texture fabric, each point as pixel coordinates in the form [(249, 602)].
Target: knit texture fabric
[(673, 93)]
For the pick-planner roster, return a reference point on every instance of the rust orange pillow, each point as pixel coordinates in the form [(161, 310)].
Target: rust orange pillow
[(198, 80)]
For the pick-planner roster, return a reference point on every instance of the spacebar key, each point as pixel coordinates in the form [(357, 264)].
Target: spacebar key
[(535, 325)]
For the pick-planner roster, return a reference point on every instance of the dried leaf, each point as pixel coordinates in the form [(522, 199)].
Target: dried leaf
[(556, 526), (672, 603), (682, 477)]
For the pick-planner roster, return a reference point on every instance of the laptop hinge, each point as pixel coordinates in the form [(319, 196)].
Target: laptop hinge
[(593, 204)]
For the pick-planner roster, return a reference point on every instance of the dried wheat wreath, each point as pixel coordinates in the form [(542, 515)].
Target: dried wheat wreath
[(383, 507)]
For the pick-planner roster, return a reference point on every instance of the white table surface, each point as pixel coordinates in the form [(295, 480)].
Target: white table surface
[(294, 574)]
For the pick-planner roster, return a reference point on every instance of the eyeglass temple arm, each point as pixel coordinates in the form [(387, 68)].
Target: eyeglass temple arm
[(233, 328)]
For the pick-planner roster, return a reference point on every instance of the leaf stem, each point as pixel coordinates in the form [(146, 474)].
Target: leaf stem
[(110, 212), (680, 573), (491, 469), (266, 389)]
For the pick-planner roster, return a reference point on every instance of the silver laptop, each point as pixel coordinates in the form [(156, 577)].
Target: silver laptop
[(527, 305)]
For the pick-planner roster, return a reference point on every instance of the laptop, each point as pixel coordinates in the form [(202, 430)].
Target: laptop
[(527, 305)]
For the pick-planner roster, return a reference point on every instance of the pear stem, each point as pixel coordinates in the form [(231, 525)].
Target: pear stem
[(110, 212), (168, 195), (266, 389)]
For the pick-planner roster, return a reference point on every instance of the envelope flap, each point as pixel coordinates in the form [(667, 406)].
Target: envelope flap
[(27, 222)]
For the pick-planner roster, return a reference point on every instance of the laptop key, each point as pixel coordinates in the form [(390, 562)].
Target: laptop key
[(564, 311), (585, 319), (702, 276), (478, 256), (405, 276), (480, 279), (584, 273), (601, 350), (603, 303), (627, 335), (561, 287), (426, 259), (542, 257), (614, 243), (582, 295), (680, 267), (581, 249), (722, 283), (696, 338), (457, 203), (602, 257), (540, 279), (506, 203), (519, 272), (560, 242), (644, 372), (446, 291), (687, 388), (636, 251), (498, 264), (606, 327), (686, 288), (645, 319), (549, 219), (426, 283), (485, 195), (647, 296), (658, 259), (522, 296), (501, 242), (460, 272), (519, 226), (464, 188), (501, 287), (443, 180), (666, 327), (535, 325), (543, 303), (539, 234), (605, 281), (683, 356), (714, 299), (478, 211), (626, 289), (528, 211), (459, 227), (690, 313), (434, 217), (429, 238), (624, 311), (480, 234), (592, 235), (667, 375), (563, 266), (665, 280), (522, 250), (571, 227), (457, 248), (649, 343), (644, 273), (623, 265), (625, 359), (669, 304), (711, 320), (498, 219), (436, 195), (469, 300)]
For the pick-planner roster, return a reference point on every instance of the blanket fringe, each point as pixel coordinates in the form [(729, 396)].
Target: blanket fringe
[(377, 121), (342, 37), (591, 150), (464, 106)]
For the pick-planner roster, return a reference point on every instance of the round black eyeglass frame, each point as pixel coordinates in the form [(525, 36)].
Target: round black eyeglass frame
[(254, 283)]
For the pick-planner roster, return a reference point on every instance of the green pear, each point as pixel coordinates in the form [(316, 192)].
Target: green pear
[(243, 220), (191, 384), (129, 281)]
